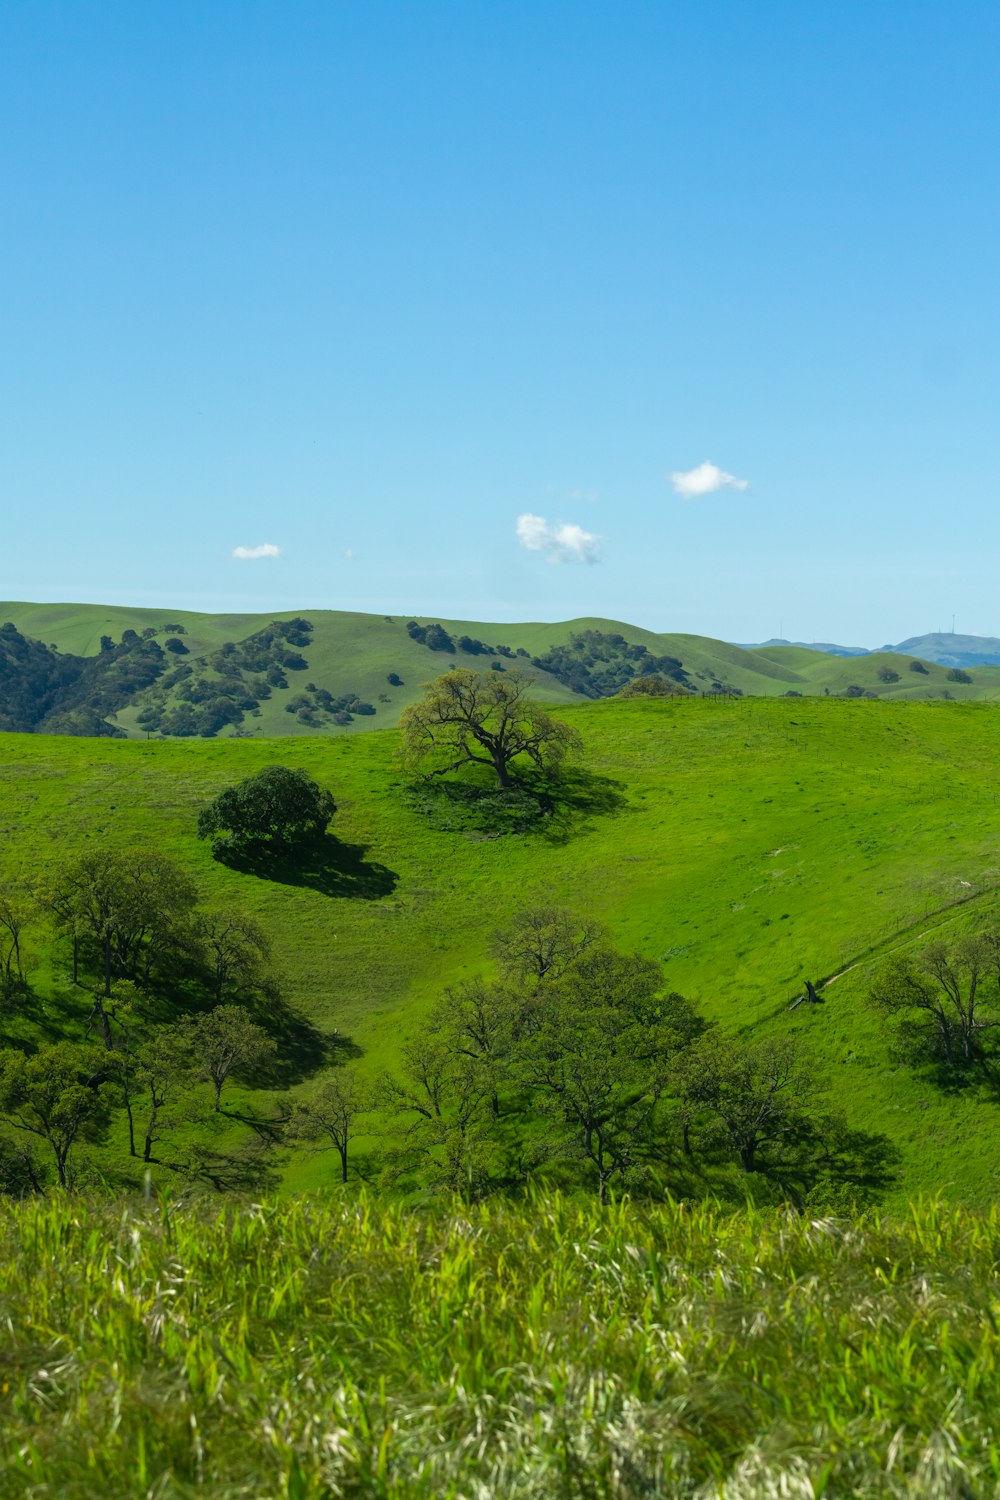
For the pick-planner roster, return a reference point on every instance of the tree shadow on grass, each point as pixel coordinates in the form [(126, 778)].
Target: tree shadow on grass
[(553, 806), (303, 1049), (326, 865), (244, 1170), (829, 1165)]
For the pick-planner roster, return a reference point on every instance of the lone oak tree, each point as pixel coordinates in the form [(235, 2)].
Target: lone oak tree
[(484, 719)]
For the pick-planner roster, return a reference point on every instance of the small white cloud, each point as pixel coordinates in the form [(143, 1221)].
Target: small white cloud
[(564, 543), (588, 497), (705, 479), (350, 554), (251, 554)]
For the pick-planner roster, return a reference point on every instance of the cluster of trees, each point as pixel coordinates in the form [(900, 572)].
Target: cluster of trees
[(436, 638), (45, 691), (598, 664), (223, 687), (173, 990), (943, 1001), (653, 687), (578, 1064), (220, 689), (317, 706)]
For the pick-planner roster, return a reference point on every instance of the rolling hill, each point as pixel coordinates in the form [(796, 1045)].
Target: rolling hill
[(136, 673), (745, 844)]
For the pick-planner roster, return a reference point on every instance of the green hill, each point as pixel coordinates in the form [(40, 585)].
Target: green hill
[(86, 669), (747, 845)]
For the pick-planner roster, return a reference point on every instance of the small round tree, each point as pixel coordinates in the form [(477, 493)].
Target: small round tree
[(278, 811)]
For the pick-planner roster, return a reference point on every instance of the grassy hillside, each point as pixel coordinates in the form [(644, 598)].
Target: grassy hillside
[(354, 655), (554, 1350), (746, 844)]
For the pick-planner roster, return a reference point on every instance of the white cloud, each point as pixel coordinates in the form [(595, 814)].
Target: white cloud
[(705, 479), (589, 497), (350, 554), (251, 554), (561, 544)]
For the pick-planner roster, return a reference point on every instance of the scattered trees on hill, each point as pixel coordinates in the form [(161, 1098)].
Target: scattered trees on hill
[(588, 1065), (227, 1041), (599, 663), (16, 913), (756, 1093), (481, 718), (329, 1116), (236, 950), (957, 674), (130, 906), (275, 811), (945, 998), (542, 943), (58, 1095)]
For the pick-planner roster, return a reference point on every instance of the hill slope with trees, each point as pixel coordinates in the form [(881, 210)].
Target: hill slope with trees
[(741, 848), (86, 669)]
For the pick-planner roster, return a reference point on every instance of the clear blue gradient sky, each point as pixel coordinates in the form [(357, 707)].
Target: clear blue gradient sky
[(367, 282)]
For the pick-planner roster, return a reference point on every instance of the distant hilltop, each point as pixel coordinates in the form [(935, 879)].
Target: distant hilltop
[(940, 646), (120, 672)]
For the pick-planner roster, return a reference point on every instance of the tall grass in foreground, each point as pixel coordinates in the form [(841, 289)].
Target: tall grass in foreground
[(313, 1349)]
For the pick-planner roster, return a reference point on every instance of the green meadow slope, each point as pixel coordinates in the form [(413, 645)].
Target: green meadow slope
[(746, 844), (354, 655)]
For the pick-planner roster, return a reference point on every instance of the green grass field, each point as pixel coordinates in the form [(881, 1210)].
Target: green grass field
[(326, 1349), (746, 844)]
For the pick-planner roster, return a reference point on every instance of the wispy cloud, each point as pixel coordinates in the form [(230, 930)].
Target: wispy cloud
[(705, 479), (350, 554), (251, 554), (565, 543)]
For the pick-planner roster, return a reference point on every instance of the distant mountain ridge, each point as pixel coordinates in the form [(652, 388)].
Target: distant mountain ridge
[(825, 646), (943, 647)]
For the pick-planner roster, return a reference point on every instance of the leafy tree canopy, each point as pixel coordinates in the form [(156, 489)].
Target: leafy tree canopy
[(481, 718), (278, 809)]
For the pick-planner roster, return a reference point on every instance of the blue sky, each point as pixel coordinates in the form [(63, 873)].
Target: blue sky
[(367, 283)]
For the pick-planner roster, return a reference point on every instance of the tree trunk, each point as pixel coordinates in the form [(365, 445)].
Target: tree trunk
[(343, 1161), (748, 1156), (503, 776), (107, 967), (105, 1024), (131, 1122), (76, 959)]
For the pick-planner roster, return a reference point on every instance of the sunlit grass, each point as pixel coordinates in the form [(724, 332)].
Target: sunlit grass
[(340, 1348)]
